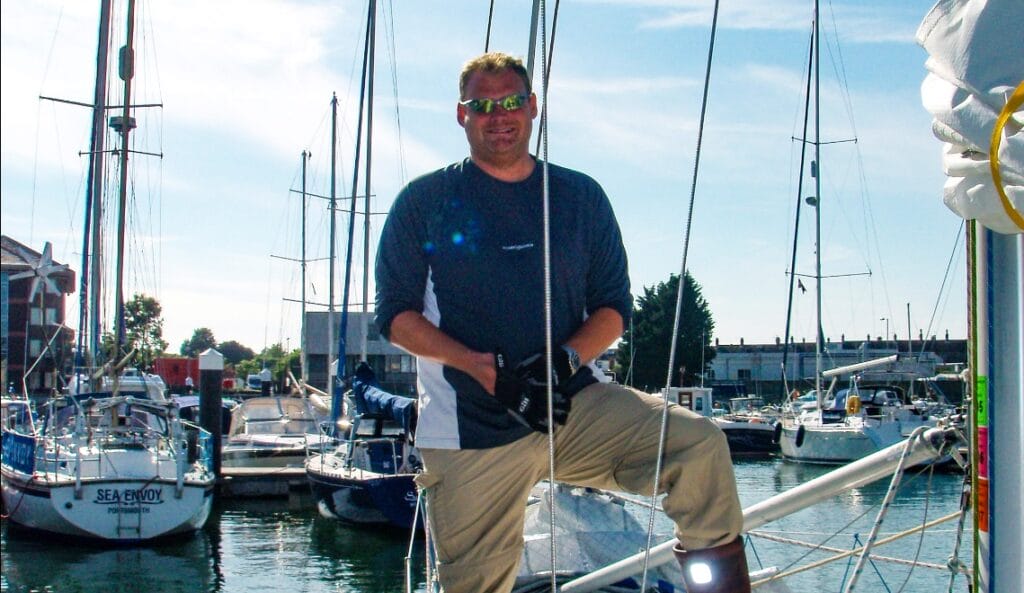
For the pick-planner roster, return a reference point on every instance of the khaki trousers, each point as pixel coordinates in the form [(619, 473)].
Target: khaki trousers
[(476, 498)]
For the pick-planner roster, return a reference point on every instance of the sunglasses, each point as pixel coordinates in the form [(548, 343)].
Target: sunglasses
[(509, 103)]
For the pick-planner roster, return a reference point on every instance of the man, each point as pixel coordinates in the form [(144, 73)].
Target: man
[(460, 284)]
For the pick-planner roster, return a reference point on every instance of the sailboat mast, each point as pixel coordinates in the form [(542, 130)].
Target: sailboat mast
[(126, 72), (302, 332), (89, 293), (816, 172), (336, 399), (364, 325), (796, 223), (333, 255)]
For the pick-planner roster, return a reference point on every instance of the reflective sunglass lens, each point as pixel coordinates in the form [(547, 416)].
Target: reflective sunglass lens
[(512, 102), (509, 103)]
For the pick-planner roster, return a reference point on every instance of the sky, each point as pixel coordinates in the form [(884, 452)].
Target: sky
[(244, 87)]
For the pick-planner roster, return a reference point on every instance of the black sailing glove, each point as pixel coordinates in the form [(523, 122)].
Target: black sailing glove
[(526, 399), (564, 364)]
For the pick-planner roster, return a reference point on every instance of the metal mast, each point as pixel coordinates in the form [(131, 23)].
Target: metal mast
[(124, 127), (89, 293)]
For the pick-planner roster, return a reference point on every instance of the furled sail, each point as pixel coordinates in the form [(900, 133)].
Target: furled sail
[(974, 92)]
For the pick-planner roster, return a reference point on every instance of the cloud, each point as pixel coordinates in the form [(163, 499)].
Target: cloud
[(877, 23)]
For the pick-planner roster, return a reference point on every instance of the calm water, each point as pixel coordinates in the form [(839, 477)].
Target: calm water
[(255, 546)]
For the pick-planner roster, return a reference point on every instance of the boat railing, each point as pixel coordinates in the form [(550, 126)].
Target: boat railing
[(376, 450)]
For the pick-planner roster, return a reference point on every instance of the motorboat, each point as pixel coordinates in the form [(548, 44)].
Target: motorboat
[(270, 432)]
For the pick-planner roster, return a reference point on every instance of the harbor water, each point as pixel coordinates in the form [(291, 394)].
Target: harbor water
[(276, 545)]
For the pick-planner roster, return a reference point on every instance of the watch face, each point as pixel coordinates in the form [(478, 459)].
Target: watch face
[(574, 360)]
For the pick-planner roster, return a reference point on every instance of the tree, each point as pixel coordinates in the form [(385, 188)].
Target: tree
[(144, 329), (643, 352), (202, 339), (274, 358), (234, 352)]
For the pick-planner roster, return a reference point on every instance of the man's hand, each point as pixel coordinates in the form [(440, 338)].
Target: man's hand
[(564, 364), (526, 398)]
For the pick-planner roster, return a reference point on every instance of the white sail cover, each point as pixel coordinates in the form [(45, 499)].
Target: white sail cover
[(975, 63)]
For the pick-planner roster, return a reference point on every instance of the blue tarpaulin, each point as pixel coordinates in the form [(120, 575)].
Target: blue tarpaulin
[(370, 399)]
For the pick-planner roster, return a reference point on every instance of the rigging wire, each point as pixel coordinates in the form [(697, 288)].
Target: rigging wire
[(389, 29), (799, 203), (547, 76), (490, 20), (679, 295), (871, 227), (942, 287), (548, 339)]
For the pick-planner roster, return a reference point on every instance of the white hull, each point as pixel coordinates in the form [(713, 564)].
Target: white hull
[(842, 442), (244, 455), (109, 468), (272, 433), (116, 510)]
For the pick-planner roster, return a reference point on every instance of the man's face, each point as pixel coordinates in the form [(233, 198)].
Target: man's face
[(500, 138)]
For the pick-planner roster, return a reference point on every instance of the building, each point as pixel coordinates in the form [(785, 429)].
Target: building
[(33, 335), (757, 368), (178, 371), (395, 368)]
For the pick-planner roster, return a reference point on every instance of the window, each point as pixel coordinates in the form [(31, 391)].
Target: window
[(401, 363), (743, 374), (35, 316), (51, 316), (35, 346)]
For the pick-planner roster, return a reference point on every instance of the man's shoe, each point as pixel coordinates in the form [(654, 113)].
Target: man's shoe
[(722, 569)]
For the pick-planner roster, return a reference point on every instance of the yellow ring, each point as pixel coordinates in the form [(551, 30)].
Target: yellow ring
[(1016, 100)]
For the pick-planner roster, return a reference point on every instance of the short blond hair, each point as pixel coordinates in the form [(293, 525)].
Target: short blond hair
[(492, 63)]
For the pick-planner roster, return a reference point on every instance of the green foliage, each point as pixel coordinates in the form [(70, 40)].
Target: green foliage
[(144, 328), (234, 352), (274, 358), (202, 340), (643, 352)]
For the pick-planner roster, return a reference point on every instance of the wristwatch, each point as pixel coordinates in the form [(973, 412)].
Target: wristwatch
[(574, 359)]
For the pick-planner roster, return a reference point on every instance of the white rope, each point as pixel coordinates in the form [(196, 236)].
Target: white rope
[(840, 553), (955, 565), (889, 496)]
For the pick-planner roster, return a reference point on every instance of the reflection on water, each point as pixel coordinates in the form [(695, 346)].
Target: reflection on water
[(284, 545), (845, 521), (185, 565)]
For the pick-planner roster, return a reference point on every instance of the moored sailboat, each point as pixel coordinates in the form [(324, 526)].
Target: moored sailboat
[(110, 460), (368, 479)]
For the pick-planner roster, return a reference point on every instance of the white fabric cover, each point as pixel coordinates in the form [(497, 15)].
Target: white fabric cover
[(976, 60)]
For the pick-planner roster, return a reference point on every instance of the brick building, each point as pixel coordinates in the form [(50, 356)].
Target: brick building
[(33, 335)]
